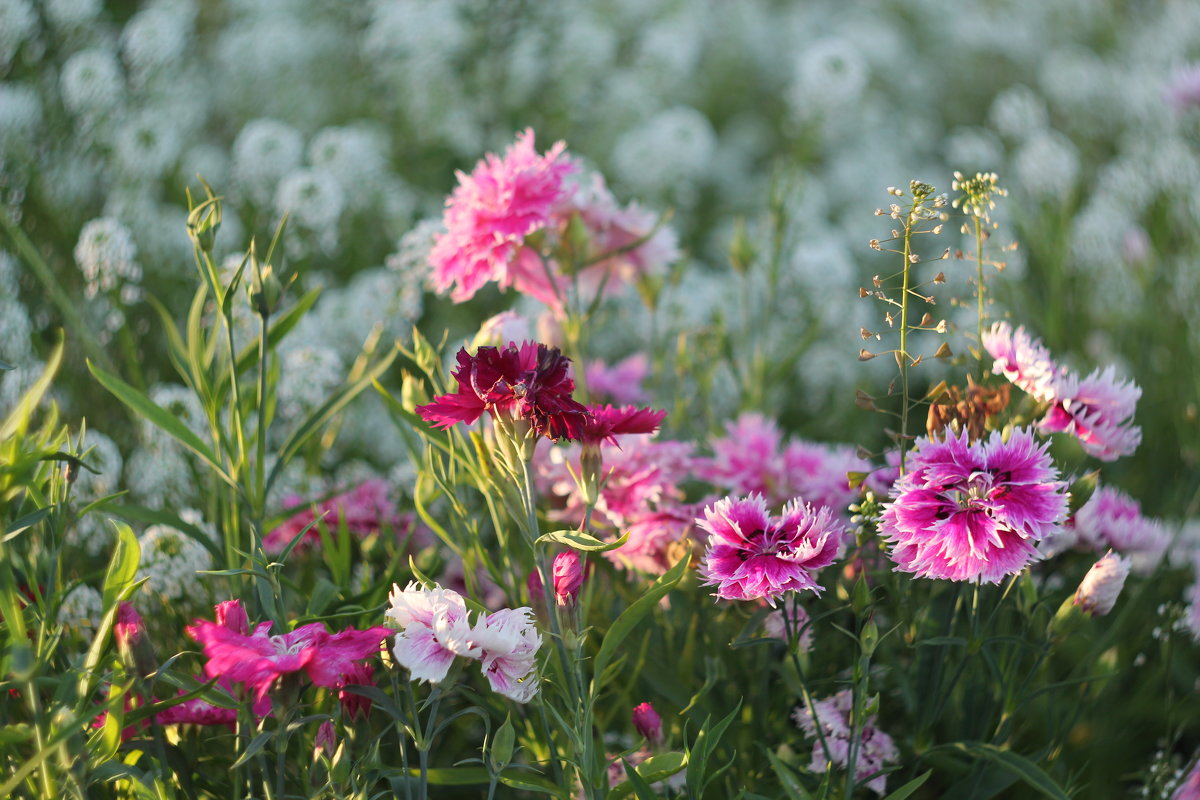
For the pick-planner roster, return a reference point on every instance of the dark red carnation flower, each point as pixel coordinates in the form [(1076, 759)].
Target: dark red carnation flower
[(529, 383), (607, 422)]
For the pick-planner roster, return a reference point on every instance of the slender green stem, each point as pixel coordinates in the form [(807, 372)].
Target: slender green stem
[(793, 646), (979, 287), (904, 303)]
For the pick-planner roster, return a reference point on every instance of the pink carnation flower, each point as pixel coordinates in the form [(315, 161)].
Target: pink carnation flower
[(489, 215), (607, 422), (1189, 788), (508, 640), (530, 383), (1112, 519), (775, 625), (753, 555), (621, 382), (568, 577), (1098, 410), (1192, 596), (875, 748), (748, 459), (973, 512), (258, 659), (1022, 359), (652, 538), (626, 235), (434, 630), (819, 473), (364, 510)]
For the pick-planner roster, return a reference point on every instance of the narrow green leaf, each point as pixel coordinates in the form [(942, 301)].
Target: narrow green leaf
[(143, 406), (123, 566), (581, 540), (638, 783), (18, 420), (652, 770), (1015, 763), (907, 789), (252, 749), (631, 616), (788, 779)]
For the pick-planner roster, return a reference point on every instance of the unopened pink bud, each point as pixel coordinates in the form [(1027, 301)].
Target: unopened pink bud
[(129, 626), (1100, 588), (534, 583), (231, 615), (648, 722), (568, 577), (326, 740)]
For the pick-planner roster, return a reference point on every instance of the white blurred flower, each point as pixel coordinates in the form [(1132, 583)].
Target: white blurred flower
[(308, 375), (1047, 166), (91, 82), (158, 475), (106, 256), (171, 559), (264, 151), (830, 73), (71, 13), (147, 145), (356, 157), (971, 150), (83, 607), (182, 403), (15, 331), (18, 22), (1018, 112), (20, 116), (674, 148), (312, 199), (154, 39)]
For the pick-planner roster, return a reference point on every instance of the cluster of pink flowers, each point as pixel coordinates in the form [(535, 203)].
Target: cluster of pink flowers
[(752, 555), (530, 383), (494, 210), (435, 628), (621, 382), (875, 748), (973, 512), (1097, 409), (753, 457), (364, 510), (256, 659), (1112, 519)]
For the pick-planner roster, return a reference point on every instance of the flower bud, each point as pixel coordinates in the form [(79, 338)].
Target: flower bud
[(1098, 592), (326, 740), (648, 723), (568, 577), (203, 222), (130, 632), (231, 615)]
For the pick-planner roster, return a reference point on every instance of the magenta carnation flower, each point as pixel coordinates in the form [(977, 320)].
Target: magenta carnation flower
[(820, 473), (528, 383), (568, 577), (1098, 410), (1112, 519), (489, 215), (258, 659), (973, 512), (607, 422), (1022, 359), (753, 555), (648, 723)]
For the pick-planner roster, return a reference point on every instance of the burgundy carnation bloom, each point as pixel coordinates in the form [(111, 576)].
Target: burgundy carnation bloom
[(753, 555), (529, 382), (973, 512)]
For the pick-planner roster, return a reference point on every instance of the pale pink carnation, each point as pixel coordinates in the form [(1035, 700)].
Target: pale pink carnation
[(434, 629), (1112, 519), (973, 512), (1098, 410), (752, 555), (875, 748), (1022, 359), (652, 538), (622, 382), (749, 458), (627, 235), (508, 641), (775, 625), (1102, 585), (365, 509), (490, 214), (820, 474)]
